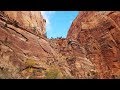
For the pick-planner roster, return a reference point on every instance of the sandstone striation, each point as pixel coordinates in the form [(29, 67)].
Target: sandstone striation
[(91, 49), (99, 33), (22, 41)]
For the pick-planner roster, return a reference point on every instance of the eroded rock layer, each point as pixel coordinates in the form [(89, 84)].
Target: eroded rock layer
[(25, 51), (23, 44), (91, 49), (99, 33)]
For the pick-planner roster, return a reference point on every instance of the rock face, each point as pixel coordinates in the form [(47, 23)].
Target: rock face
[(74, 55), (91, 49), (22, 41), (99, 33), (29, 20), (25, 52)]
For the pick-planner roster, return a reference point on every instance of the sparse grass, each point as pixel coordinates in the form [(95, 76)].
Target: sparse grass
[(52, 73), (34, 29), (5, 73), (67, 77), (30, 62), (30, 70), (93, 75)]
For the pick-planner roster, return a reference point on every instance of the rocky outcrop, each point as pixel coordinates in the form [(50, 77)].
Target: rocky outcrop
[(91, 49), (74, 56), (27, 20), (25, 52), (99, 33), (22, 41)]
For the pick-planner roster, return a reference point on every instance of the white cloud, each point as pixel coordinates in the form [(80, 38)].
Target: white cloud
[(47, 15)]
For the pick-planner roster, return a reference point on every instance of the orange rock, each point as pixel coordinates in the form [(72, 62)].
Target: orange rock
[(91, 49), (99, 33)]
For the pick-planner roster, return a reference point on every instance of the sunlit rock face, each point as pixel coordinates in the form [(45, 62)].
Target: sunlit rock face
[(22, 39), (90, 50), (26, 51), (74, 57), (99, 33), (28, 19)]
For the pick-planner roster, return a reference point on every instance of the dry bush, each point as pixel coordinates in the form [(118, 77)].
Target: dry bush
[(5, 73), (52, 73), (30, 62)]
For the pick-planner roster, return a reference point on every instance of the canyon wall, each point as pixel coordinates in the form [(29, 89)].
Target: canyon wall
[(22, 42), (25, 51), (91, 49), (99, 33)]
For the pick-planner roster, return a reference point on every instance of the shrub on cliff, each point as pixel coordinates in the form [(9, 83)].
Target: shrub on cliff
[(53, 73), (30, 62)]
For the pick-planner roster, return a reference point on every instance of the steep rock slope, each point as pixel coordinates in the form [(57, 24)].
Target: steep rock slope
[(74, 56), (23, 44), (25, 51), (99, 33), (91, 49)]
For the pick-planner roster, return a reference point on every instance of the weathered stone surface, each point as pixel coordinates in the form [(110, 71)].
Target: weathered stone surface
[(99, 33), (74, 57), (31, 21), (91, 49), (20, 43), (25, 51)]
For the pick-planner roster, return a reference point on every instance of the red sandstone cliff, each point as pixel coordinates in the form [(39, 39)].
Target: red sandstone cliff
[(22, 41), (99, 33), (25, 52), (91, 49), (74, 57)]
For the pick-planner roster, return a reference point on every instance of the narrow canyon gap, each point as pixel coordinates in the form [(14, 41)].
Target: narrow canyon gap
[(58, 22), (91, 49)]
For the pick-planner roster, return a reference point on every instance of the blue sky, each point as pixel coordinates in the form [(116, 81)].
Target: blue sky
[(58, 22)]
